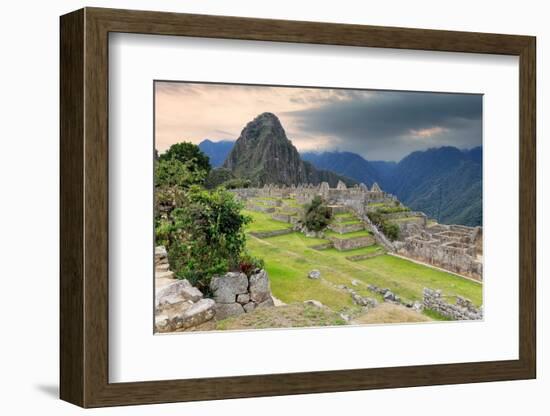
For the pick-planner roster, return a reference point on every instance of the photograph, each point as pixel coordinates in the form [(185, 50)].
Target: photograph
[(294, 207)]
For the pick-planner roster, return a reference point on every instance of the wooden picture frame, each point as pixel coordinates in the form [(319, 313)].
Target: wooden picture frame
[(84, 207)]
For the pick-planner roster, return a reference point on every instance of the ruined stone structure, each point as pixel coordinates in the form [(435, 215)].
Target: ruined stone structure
[(180, 306), (461, 310), (455, 248)]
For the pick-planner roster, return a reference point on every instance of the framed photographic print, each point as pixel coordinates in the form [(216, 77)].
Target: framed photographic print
[(256, 207)]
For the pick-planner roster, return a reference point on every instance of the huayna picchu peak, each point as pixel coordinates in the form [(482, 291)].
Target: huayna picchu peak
[(264, 154)]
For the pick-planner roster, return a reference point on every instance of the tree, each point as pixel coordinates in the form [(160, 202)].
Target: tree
[(317, 215), (172, 172), (205, 235), (189, 154)]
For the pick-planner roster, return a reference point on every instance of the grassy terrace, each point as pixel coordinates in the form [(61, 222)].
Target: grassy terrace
[(263, 222), (289, 258), (346, 236)]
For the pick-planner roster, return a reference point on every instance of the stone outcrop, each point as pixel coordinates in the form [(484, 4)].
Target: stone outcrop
[(235, 293)]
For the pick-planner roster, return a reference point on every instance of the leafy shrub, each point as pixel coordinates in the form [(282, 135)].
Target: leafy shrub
[(205, 236), (248, 264), (217, 177), (172, 172), (237, 183), (317, 215), (390, 230)]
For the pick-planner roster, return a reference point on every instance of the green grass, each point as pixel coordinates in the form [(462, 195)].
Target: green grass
[(289, 258), (348, 222), (262, 222), (355, 234), (436, 316), (353, 252)]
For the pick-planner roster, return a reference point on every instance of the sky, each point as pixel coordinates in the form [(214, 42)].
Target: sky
[(378, 125)]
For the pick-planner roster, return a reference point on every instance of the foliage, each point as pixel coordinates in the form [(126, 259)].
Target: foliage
[(172, 172), (317, 215), (390, 230), (237, 183), (189, 154), (216, 177), (248, 264), (205, 235)]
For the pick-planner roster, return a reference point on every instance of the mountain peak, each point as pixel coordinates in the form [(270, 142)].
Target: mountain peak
[(264, 154)]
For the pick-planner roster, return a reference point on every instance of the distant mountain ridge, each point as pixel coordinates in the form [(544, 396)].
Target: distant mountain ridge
[(345, 163), (444, 182), (216, 151), (264, 154)]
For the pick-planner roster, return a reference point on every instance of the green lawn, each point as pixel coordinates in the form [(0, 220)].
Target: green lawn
[(262, 222), (289, 258)]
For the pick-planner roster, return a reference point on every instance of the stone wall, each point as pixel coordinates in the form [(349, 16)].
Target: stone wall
[(235, 293), (461, 310), (452, 247), (180, 306), (351, 243)]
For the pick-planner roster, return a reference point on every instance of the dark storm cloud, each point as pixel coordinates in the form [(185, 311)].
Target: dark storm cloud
[(389, 125)]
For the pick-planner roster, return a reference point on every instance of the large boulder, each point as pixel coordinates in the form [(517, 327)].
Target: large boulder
[(226, 288), (177, 292), (259, 287), (225, 310)]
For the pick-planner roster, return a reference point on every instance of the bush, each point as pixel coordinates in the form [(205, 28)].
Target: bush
[(317, 215), (248, 264), (189, 154), (217, 177), (390, 230), (205, 236), (172, 172)]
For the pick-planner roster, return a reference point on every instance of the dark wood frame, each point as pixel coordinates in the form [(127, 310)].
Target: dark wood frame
[(84, 207)]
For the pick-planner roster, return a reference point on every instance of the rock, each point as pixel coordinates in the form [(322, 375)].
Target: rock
[(249, 307), (162, 323), (314, 302), (161, 256), (355, 282), (162, 267), (177, 292), (243, 298), (226, 288), (266, 303), (259, 287), (225, 310), (389, 296), (164, 275), (345, 317), (197, 314), (314, 274)]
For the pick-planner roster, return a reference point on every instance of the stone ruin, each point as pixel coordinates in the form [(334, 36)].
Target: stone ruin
[(180, 306), (462, 310), (455, 248)]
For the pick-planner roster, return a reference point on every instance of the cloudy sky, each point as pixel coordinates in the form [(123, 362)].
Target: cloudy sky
[(379, 125)]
